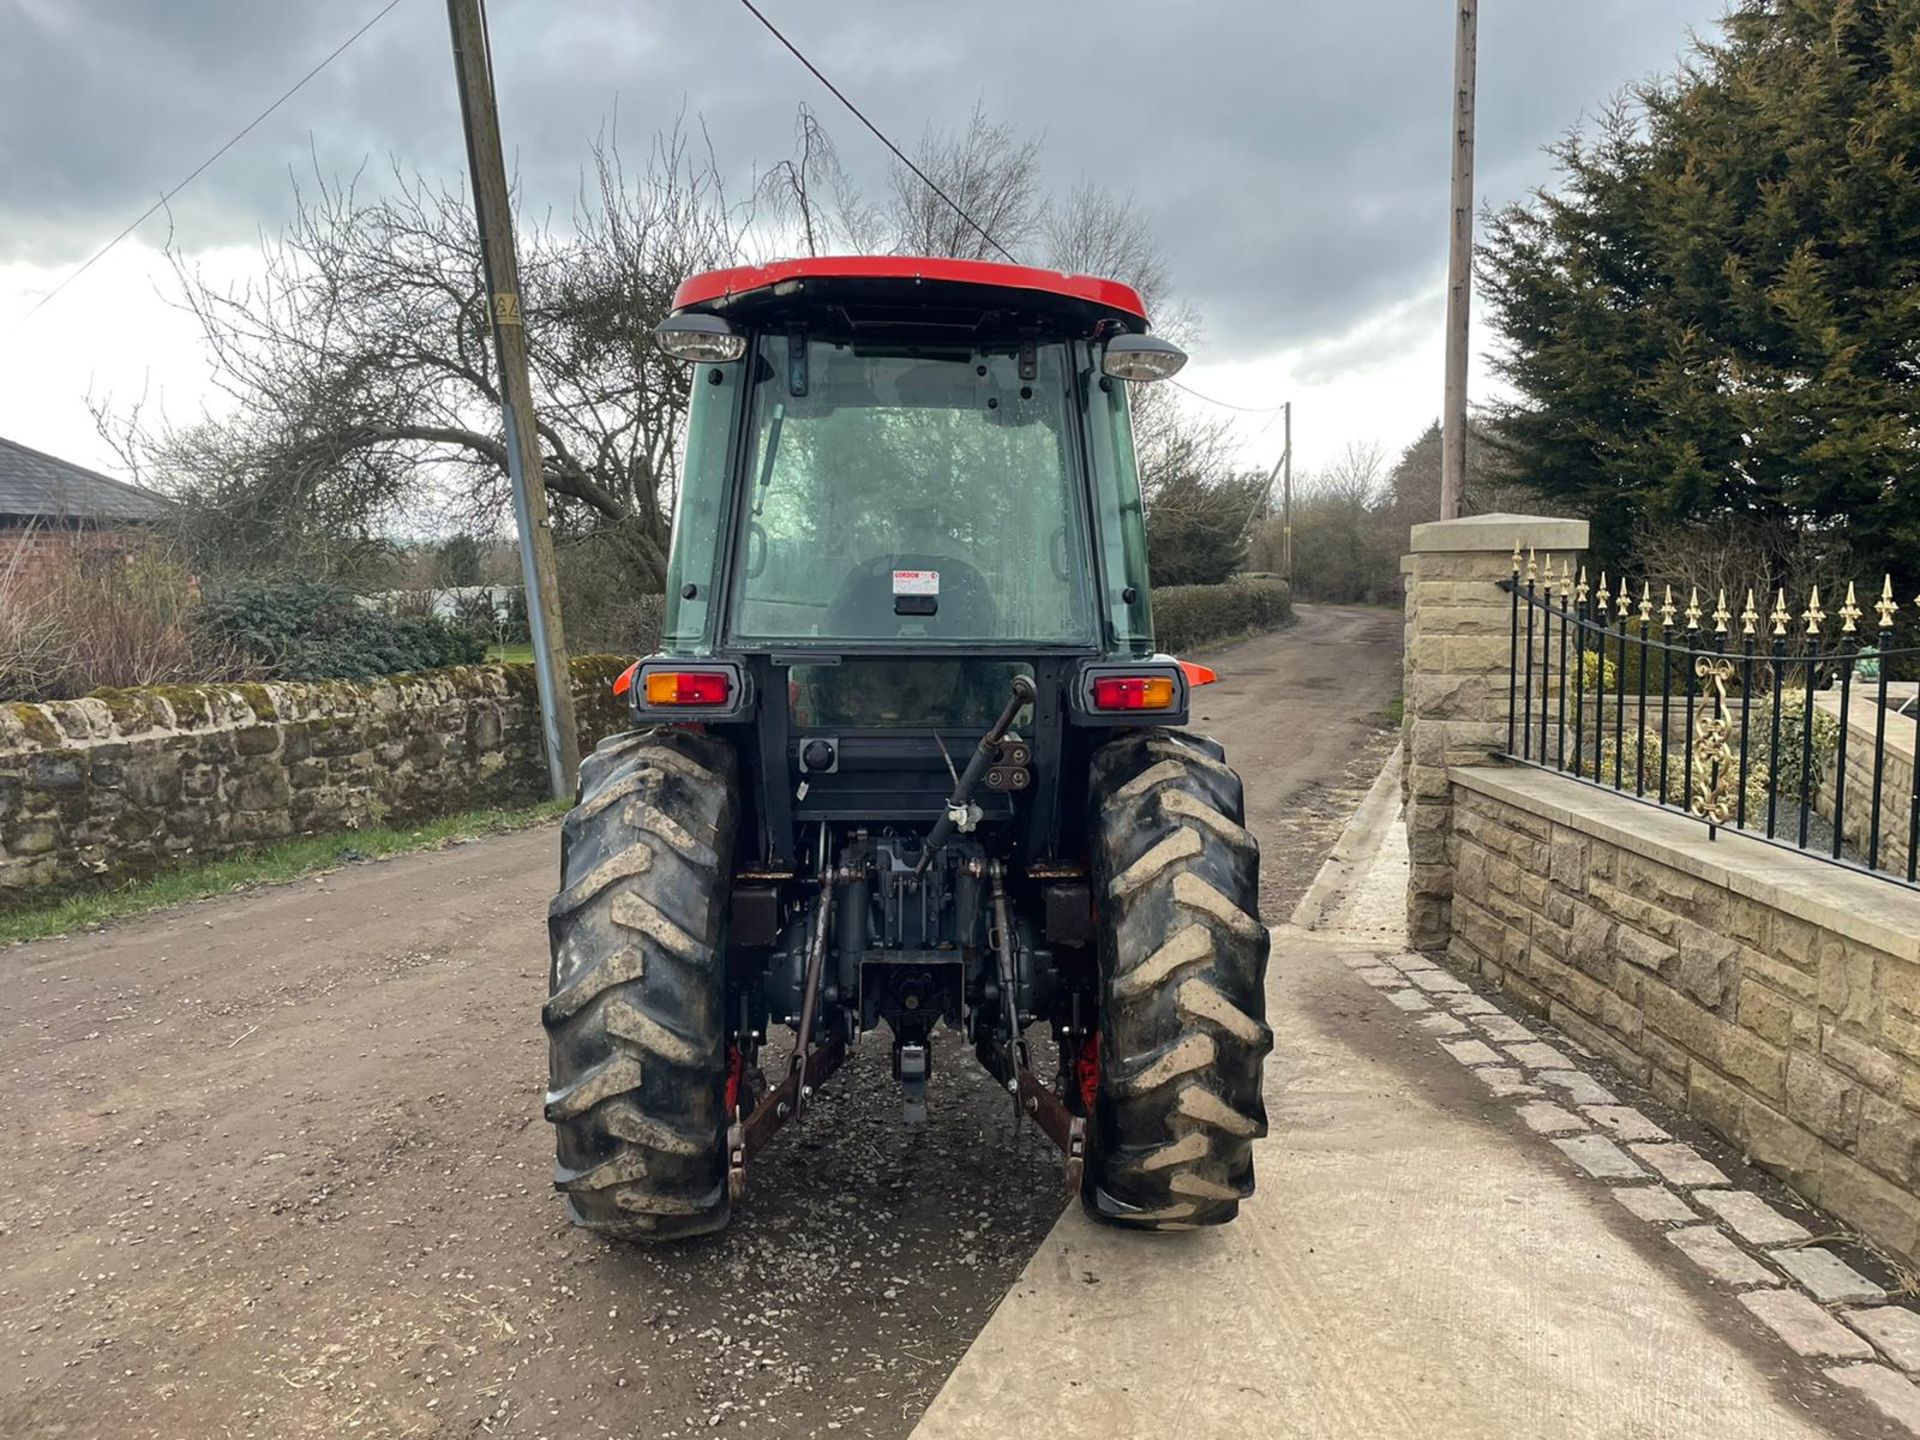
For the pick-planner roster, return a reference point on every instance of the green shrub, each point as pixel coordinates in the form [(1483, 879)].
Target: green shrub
[(1192, 617), (311, 630)]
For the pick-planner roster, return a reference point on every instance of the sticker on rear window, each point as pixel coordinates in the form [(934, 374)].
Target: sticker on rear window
[(916, 582)]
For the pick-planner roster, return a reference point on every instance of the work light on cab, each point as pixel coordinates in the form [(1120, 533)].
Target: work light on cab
[(699, 339), (1142, 357)]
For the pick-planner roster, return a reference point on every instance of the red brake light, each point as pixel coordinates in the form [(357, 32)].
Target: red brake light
[(688, 687), (1133, 692)]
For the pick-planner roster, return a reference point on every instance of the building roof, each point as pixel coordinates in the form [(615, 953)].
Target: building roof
[(38, 486)]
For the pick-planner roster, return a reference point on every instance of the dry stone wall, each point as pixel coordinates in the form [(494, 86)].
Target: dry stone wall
[(124, 783)]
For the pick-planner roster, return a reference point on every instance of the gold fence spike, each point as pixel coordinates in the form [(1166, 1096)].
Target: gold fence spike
[(1849, 612), (1646, 603), (1667, 612), (1625, 599), (1721, 615), (1516, 556), (1601, 596), (1780, 617), (1580, 591), (1693, 609), (1748, 616), (1533, 570), (1546, 576), (1566, 575), (1813, 614), (1886, 604)]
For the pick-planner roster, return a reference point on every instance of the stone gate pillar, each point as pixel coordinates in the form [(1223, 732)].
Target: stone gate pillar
[(1458, 628)]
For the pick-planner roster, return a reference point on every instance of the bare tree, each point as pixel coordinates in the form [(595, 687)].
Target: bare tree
[(361, 377), (989, 172), (811, 194)]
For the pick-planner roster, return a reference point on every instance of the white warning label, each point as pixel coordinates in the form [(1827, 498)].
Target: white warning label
[(916, 582)]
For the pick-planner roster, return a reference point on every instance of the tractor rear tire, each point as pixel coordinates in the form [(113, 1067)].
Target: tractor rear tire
[(1183, 960), (635, 1016)]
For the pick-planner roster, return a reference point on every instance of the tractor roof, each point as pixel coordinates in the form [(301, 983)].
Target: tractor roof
[(901, 292)]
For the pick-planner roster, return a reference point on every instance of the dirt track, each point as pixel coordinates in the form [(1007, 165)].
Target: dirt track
[(275, 1164)]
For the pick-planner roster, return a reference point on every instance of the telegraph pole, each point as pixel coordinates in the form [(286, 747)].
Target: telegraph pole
[(1453, 442), (1286, 494), (473, 74)]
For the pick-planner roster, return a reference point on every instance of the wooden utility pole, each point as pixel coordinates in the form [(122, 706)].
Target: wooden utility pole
[(1286, 494), (1453, 441), (473, 73)]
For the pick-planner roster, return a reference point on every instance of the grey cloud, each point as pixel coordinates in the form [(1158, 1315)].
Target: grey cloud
[(1292, 155)]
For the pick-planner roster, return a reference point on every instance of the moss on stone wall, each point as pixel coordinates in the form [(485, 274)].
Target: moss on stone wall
[(128, 782)]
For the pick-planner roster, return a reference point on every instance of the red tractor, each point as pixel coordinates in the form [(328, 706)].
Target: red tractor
[(907, 757)]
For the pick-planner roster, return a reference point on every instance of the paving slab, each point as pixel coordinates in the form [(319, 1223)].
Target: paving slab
[(1752, 1218), (1719, 1257), (1440, 1023), (1892, 1394), (1893, 1329), (1623, 1122), (1406, 1268), (1581, 1089), (1543, 1117), (1503, 1028), (1655, 1204), (1807, 1329), (1827, 1277), (1680, 1164)]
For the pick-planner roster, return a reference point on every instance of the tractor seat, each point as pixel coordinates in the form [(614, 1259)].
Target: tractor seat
[(863, 608)]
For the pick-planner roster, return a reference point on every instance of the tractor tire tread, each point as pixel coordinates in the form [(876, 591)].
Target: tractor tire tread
[(636, 1038), (1183, 962)]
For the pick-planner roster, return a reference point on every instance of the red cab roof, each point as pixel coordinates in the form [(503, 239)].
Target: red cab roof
[(720, 286)]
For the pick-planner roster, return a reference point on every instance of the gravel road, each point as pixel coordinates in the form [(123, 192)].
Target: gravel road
[(275, 1164)]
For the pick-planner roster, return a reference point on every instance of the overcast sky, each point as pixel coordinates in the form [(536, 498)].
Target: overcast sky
[(1291, 154)]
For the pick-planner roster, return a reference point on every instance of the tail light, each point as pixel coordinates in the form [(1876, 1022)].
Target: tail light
[(688, 687), (1134, 692)]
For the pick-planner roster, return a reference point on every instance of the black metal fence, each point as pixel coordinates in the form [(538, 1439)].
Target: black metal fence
[(1749, 722)]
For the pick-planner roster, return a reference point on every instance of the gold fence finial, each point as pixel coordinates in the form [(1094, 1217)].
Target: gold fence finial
[(1849, 612), (1667, 612), (1780, 617), (1602, 596), (1693, 609), (1886, 604), (1580, 591), (1566, 575), (1721, 615), (1625, 599), (1813, 614), (1516, 556), (1748, 616), (1533, 569), (1646, 603)]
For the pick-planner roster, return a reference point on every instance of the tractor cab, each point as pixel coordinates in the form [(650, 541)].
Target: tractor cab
[(906, 759), (907, 481)]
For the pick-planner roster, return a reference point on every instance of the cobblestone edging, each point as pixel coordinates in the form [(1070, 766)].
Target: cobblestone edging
[(1774, 998), (1832, 1316), (128, 782)]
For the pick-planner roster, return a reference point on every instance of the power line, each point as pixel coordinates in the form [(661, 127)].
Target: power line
[(238, 136), (899, 154), (1225, 405)]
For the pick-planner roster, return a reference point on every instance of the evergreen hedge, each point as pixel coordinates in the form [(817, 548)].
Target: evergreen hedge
[(1192, 617)]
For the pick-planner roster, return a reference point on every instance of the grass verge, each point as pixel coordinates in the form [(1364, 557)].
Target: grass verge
[(1395, 715), (288, 860), (517, 654)]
